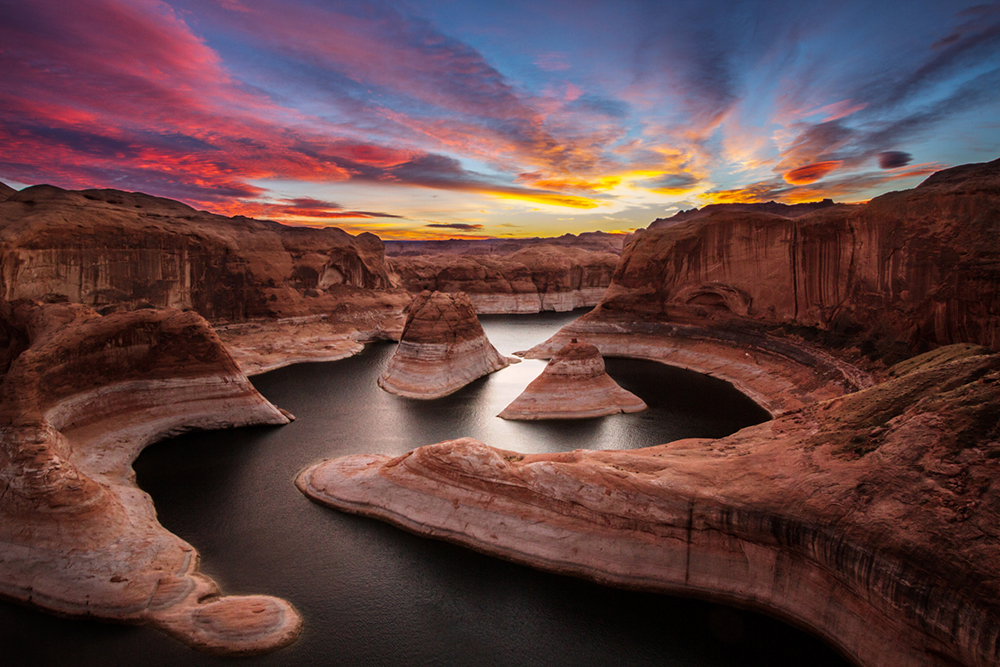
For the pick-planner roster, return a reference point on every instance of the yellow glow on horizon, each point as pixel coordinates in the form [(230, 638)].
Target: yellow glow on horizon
[(553, 199)]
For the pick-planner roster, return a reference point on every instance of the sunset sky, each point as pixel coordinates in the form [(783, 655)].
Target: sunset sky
[(438, 118)]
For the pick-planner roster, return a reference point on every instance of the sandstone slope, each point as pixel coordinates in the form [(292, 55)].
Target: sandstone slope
[(80, 396), (870, 519), (574, 385), (533, 279), (442, 349)]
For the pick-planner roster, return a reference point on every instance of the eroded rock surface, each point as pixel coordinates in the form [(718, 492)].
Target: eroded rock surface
[(277, 293), (119, 250), (574, 385), (442, 349), (81, 395), (870, 518), (533, 279), (918, 267)]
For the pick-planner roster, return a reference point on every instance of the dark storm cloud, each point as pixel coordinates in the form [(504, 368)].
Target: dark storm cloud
[(894, 159), (454, 225)]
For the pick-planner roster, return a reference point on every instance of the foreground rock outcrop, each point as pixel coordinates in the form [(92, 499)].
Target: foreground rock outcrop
[(442, 349), (870, 519), (574, 385), (80, 397), (533, 279)]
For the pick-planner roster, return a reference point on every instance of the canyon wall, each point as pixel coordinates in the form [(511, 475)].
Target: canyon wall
[(109, 249), (536, 278), (920, 266), (80, 396), (593, 241)]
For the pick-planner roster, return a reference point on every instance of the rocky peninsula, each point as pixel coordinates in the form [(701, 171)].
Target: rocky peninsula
[(574, 385), (864, 517), (81, 395), (442, 349)]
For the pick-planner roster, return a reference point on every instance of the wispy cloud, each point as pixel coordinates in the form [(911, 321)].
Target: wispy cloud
[(465, 227)]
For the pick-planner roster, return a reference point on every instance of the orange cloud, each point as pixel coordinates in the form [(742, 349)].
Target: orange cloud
[(811, 173), (842, 189)]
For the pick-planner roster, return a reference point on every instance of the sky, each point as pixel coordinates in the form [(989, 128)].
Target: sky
[(447, 118)]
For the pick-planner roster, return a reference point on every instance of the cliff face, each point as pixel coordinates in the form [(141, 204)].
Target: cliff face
[(920, 266), (80, 396), (533, 279), (109, 249), (866, 517), (442, 349)]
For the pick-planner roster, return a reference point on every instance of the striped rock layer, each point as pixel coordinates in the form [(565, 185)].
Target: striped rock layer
[(574, 385), (442, 349)]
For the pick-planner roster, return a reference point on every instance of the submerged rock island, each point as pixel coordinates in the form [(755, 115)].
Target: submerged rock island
[(442, 349), (574, 385)]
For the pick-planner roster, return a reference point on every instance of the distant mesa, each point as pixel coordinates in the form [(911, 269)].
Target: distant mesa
[(770, 208), (553, 275), (574, 385), (442, 349)]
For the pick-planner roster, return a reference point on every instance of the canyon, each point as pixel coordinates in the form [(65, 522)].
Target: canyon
[(864, 509), (532, 279)]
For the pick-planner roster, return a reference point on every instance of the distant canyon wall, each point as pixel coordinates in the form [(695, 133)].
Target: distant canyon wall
[(107, 249), (534, 279), (921, 266)]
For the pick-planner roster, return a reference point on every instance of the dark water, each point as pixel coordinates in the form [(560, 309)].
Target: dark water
[(375, 595)]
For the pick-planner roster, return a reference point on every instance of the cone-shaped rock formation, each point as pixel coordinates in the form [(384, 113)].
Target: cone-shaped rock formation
[(574, 385), (443, 348)]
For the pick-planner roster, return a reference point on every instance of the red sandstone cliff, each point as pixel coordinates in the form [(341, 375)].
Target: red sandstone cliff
[(109, 249), (593, 241), (921, 266)]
